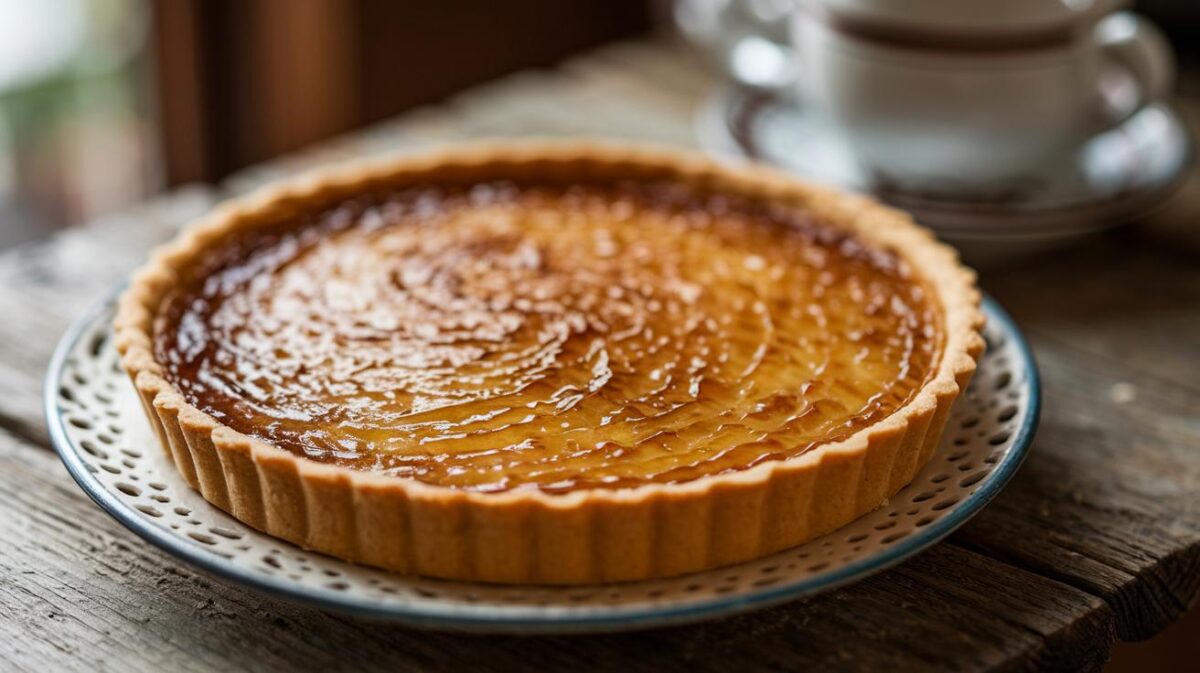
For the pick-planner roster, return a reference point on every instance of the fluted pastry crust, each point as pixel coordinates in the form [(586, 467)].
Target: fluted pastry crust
[(530, 536)]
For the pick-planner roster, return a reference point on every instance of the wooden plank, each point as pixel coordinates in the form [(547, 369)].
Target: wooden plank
[(85, 594), (1107, 501), (666, 64), (1132, 297), (71, 269)]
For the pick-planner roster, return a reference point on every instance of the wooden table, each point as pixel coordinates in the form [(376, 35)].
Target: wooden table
[(1097, 538)]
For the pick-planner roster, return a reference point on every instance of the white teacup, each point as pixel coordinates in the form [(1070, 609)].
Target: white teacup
[(959, 97)]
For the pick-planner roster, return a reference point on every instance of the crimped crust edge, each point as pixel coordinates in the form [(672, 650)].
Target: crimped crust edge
[(586, 536)]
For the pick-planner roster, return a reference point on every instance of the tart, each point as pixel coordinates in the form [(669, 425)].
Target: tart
[(550, 362)]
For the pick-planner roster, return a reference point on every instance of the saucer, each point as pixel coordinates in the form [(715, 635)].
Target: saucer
[(1112, 178)]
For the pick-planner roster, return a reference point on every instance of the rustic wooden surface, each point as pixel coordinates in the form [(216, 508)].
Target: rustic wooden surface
[(1097, 538)]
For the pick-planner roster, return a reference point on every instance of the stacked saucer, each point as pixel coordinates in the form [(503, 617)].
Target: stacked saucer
[(1109, 179)]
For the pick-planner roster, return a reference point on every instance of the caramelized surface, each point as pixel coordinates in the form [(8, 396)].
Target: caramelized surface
[(504, 337)]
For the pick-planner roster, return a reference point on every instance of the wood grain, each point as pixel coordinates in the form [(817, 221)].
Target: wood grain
[(1110, 499), (85, 593), (1097, 537)]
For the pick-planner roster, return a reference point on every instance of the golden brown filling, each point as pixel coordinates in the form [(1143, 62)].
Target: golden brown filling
[(500, 337)]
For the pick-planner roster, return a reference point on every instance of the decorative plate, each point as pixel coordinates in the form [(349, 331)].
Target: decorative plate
[(107, 446)]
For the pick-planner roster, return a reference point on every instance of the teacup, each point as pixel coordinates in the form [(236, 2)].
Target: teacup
[(959, 97)]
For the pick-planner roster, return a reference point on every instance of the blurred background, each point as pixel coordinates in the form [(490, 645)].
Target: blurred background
[(105, 102)]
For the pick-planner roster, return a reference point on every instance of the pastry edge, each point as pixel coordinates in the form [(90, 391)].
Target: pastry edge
[(587, 536)]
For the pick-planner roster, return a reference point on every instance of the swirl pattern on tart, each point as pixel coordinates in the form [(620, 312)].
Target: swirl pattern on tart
[(503, 335)]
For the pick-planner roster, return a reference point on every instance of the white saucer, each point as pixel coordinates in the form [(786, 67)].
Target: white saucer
[(1110, 179)]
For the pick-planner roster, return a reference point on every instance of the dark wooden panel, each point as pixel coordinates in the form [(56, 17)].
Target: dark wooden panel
[(184, 101), (241, 81), (418, 52)]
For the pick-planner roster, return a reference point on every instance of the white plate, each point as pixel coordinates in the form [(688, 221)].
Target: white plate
[(100, 432)]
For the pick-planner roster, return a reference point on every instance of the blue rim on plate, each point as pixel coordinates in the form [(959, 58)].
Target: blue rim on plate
[(527, 620)]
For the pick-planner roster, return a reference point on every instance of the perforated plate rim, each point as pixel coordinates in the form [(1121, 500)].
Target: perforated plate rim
[(501, 618)]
